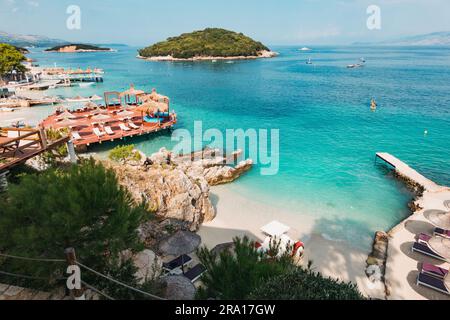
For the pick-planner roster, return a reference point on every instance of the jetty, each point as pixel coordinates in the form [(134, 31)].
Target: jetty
[(403, 266), (408, 173)]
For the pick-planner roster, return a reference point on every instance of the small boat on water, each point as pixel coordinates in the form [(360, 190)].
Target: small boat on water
[(86, 84), (353, 66), (309, 61), (305, 49)]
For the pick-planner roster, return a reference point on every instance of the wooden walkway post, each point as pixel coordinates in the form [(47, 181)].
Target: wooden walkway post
[(78, 293)]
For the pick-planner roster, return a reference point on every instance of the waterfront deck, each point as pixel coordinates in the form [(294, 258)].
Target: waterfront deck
[(406, 171), (83, 123)]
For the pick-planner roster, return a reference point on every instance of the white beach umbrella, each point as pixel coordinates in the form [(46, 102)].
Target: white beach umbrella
[(101, 117), (439, 218), (275, 229), (441, 246), (125, 113), (66, 115)]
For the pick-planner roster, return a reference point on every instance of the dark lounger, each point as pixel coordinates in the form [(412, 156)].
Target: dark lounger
[(432, 283), (434, 271), (424, 249), (195, 273), (177, 263), (442, 232)]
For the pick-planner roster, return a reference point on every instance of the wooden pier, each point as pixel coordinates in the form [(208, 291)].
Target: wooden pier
[(19, 145), (406, 171)]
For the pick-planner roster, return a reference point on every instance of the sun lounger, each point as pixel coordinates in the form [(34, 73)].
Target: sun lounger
[(195, 273), (424, 238), (124, 127), (178, 263), (98, 133), (442, 233), (76, 136), (432, 283), (425, 249), (133, 126), (434, 271), (109, 130)]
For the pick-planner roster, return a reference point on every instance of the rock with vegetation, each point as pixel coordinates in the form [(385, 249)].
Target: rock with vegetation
[(175, 187), (211, 43), (77, 47)]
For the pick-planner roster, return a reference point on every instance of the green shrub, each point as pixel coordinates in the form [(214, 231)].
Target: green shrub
[(244, 274), (82, 207), (124, 154)]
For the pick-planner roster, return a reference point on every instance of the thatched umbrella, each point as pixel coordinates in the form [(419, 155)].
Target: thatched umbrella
[(447, 204), (441, 246), (179, 244), (439, 218), (91, 105), (65, 123), (66, 115), (125, 113), (179, 288), (101, 117), (131, 92)]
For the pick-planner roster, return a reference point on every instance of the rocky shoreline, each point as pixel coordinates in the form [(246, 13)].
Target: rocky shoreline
[(262, 55), (177, 187)]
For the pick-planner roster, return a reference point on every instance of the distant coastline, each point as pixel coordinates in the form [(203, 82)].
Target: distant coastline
[(74, 48)]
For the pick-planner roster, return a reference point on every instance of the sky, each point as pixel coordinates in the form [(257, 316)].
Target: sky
[(143, 22)]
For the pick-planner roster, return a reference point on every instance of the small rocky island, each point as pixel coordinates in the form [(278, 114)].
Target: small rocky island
[(70, 48), (208, 44)]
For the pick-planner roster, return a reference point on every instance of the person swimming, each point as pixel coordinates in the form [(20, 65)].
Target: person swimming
[(373, 104)]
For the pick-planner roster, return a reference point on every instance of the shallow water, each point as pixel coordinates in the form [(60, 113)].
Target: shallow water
[(328, 136)]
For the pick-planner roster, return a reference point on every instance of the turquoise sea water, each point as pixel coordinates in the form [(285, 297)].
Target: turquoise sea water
[(328, 136)]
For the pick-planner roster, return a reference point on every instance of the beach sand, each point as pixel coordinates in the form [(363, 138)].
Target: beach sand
[(238, 216)]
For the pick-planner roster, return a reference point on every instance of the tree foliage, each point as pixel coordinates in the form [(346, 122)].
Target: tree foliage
[(10, 59), (305, 284), (244, 273), (124, 154), (209, 42), (233, 275), (83, 207)]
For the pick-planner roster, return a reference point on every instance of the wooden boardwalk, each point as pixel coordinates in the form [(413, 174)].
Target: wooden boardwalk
[(23, 145), (408, 172)]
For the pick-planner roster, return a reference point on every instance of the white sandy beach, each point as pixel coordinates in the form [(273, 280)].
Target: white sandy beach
[(239, 216)]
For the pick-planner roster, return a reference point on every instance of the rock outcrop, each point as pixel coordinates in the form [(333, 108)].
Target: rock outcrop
[(177, 187), (376, 262)]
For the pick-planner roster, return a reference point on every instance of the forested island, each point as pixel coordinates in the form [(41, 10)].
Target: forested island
[(77, 48), (208, 44)]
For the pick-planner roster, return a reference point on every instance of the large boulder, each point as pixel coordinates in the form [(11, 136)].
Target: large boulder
[(148, 264)]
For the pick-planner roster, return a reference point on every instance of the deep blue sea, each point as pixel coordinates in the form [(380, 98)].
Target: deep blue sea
[(328, 135)]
